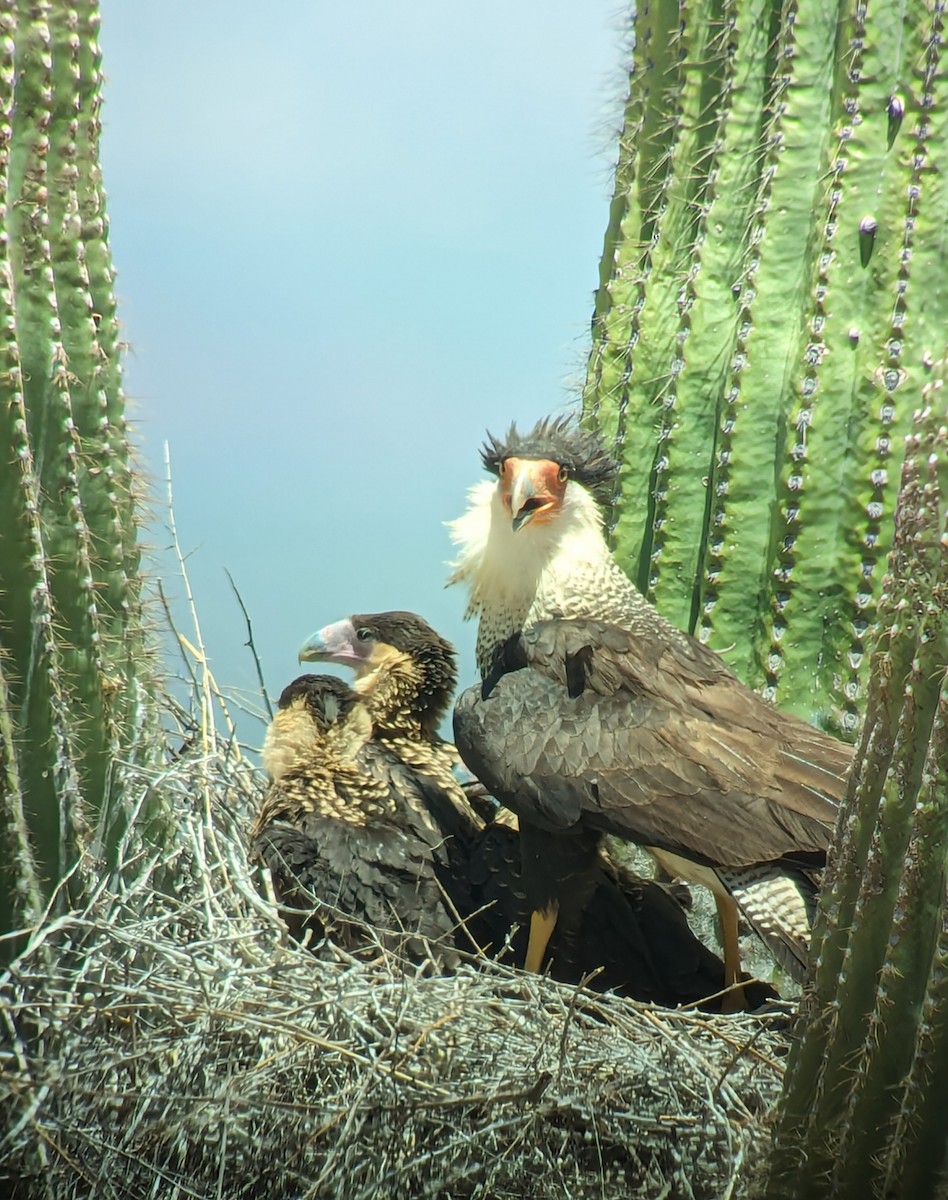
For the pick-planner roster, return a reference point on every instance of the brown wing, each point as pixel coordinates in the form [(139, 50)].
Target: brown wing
[(654, 742), (420, 773), (628, 935), (632, 937), (353, 872)]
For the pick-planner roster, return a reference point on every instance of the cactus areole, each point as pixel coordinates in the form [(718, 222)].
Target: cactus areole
[(76, 667)]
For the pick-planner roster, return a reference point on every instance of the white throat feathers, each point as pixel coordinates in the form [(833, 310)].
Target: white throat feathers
[(499, 565), (515, 577)]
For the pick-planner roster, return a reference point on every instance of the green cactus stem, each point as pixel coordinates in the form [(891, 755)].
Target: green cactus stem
[(770, 301), (76, 665), (861, 1105), (772, 304)]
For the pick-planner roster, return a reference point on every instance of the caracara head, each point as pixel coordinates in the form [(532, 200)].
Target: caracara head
[(534, 469), (540, 513), (316, 715), (399, 648)]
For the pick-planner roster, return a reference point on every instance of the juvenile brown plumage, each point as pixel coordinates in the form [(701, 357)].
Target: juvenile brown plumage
[(407, 674), (347, 855), (597, 716), (630, 931), (406, 670)]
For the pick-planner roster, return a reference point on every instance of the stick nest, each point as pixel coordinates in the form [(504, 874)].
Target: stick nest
[(165, 1039)]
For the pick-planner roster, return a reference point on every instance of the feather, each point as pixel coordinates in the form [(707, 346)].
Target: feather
[(597, 715), (626, 933)]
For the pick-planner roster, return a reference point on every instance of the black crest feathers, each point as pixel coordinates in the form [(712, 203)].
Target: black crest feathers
[(563, 441)]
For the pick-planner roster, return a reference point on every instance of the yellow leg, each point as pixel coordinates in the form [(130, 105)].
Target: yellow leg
[(542, 924), (735, 1000)]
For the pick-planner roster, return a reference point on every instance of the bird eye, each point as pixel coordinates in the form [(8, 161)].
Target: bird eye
[(563, 475), (363, 634)]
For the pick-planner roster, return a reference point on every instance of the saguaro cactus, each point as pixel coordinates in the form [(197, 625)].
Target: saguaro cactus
[(863, 1107), (772, 300), (772, 307), (73, 660)]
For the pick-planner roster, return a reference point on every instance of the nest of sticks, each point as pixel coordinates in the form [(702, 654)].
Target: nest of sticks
[(167, 1039)]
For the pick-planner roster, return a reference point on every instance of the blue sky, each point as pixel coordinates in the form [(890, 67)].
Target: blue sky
[(349, 238)]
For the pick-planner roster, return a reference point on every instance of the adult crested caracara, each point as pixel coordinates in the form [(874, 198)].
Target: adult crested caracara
[(596, 716), (344, 847), (628, 933)]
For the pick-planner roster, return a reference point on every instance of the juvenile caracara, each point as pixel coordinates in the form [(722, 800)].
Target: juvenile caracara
[(597, 716), (628, 933), (407, 675), (345, 849)]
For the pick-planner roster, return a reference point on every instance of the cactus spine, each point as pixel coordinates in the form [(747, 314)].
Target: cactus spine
[(73, 653), (769, 309), (862, 1104)]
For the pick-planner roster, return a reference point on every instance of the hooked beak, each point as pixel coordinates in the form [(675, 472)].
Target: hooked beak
[(333, 643), (528, 490)]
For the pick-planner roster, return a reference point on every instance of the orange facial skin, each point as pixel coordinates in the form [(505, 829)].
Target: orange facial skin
[(532, 489)]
